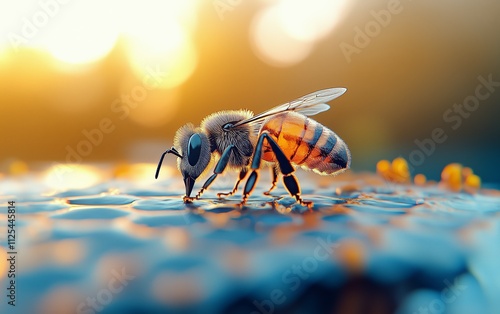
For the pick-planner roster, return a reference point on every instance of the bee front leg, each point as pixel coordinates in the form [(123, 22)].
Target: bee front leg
[(286, 168), (219, 168)]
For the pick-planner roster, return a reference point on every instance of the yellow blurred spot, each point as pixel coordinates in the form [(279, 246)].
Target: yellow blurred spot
[(451, 177), (455, 177), (18, 168), (397, 171), (420, 179), (400, 168), (383, 166), (472, 183), (466, 171)]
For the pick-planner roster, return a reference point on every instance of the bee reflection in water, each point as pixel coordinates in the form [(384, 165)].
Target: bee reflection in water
[(283, 137)]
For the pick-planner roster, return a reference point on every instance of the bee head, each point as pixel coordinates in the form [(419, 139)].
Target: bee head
[(192, 148)]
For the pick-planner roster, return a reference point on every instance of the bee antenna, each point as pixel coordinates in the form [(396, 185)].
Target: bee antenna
[(168, 151)]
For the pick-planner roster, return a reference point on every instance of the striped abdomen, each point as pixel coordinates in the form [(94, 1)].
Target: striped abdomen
[(306, 143)]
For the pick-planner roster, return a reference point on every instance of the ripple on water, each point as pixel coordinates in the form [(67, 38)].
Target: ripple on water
[(102, 200), (98, 189), (372, 209), (101, 213), (40, 207), (35, 198), (169, 220), (154, 191), (475, 203), (438, 223), (160, 204)]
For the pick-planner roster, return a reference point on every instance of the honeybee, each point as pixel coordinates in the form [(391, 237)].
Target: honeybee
[(284, 137)]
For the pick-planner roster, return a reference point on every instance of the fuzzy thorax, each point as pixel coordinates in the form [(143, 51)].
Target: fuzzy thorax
[(243, 137)]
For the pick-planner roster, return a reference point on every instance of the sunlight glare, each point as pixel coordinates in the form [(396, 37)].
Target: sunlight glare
[(162, 44), (284, 33), (159, 38), (71, 176), (83, 32), (272, 44), (156, 31), (310, 20)]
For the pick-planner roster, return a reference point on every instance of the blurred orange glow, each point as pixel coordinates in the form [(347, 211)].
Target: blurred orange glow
[(352, 253), (18, 167), (177, 239), (157, 108), (68, 252), (141, 172), (61, 299), (178, 288)]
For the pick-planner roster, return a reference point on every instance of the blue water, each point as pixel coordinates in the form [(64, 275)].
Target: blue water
[(380, 248)]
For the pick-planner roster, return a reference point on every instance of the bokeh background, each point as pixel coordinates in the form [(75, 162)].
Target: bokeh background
[(146, 68)]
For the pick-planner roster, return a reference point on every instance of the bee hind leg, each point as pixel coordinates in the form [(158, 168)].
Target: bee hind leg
[(219, 168), (285, 166), (243, 174)]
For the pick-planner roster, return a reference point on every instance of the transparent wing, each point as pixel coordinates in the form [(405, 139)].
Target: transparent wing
[(308, 105)]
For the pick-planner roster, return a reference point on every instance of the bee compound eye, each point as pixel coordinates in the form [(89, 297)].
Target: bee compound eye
[(194, 149)]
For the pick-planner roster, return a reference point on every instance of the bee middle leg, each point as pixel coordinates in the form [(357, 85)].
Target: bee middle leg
[(274, 171), (285, 166), (219, 168), (243, 174)]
